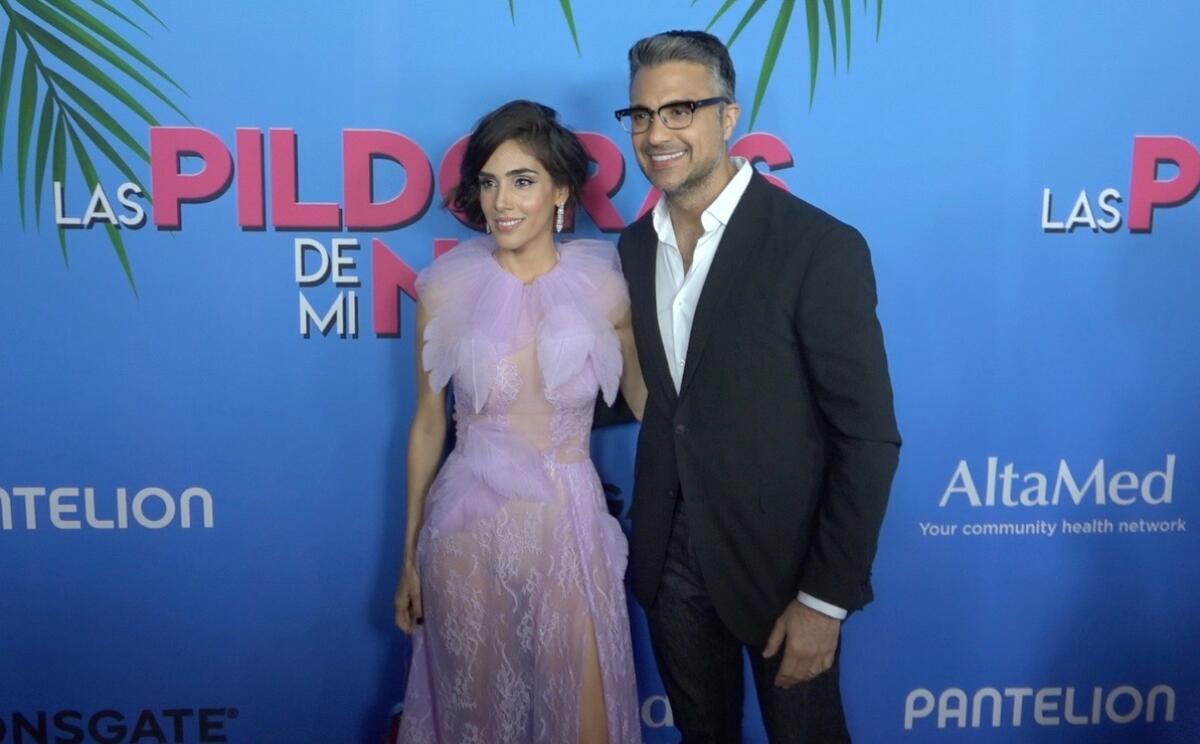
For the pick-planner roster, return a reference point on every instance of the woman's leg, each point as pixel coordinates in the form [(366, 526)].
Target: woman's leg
[(593, 721)]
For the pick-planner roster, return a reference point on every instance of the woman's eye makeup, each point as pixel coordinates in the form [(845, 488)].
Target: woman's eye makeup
[(522, 181)]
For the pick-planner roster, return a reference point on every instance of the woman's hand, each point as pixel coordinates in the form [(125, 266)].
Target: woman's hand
[(426, 438), (408, 598)]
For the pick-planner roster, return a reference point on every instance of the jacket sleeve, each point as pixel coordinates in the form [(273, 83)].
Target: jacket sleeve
[(842, 345)]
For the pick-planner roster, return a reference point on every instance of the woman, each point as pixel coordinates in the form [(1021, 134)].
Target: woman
[(511, 559)]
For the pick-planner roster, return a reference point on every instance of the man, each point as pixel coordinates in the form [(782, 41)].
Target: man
[(768, 442)]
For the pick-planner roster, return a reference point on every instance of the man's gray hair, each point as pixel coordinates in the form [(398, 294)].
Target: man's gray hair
[(686, 46)]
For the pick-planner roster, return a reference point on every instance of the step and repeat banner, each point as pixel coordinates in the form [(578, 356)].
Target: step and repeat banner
[(211, 218)]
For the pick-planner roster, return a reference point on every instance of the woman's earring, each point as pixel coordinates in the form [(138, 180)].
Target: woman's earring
[(487, 226), (558, 219)]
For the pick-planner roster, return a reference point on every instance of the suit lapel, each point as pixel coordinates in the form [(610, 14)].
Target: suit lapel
[(643, 297), (742, 236)]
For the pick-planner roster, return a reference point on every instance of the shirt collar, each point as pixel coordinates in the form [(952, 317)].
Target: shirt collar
[(716, 214)]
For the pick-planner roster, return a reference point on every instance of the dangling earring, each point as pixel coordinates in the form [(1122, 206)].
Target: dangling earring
[(487, 226), (558, 219)]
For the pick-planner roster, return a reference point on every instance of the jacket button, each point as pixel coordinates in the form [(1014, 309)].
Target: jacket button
[(680, 428)]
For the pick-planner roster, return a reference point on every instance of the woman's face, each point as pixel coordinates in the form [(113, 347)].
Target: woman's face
[(518, 197)]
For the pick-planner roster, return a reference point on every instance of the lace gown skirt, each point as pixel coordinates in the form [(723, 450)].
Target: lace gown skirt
[(510, 608)]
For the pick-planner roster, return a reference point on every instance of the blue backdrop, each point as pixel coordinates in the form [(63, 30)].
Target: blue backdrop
[(1037, 569)]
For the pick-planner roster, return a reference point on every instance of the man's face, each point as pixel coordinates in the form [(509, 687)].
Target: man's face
[(678, 161)]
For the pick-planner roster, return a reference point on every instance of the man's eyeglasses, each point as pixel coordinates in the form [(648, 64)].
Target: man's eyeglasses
[(673, 115)]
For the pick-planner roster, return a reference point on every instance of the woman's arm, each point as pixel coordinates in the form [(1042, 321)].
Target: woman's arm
[(426, 438), (633, 387)]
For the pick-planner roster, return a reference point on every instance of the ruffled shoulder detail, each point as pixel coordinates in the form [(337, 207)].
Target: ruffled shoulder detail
[(453, 273), (582, 300), (474, 315)]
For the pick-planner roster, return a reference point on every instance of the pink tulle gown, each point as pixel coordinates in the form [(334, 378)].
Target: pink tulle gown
[(521, 565)]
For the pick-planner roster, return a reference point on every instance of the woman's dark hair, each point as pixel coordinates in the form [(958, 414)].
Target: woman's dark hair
[(535, 127)]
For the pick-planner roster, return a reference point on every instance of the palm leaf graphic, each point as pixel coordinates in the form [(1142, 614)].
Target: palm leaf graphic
[(846, 24), (149, 12), (754, 8), (813, 10), (58, 170), (27, 102), (76, 72), (120, 15), (568, 14)]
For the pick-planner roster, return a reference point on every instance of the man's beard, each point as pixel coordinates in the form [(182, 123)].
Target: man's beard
[(694, 180)]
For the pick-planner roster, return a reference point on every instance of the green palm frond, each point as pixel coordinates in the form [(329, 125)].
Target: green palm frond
[(566, 9), (720, 12), (8, 59), (56, 73), (58, 171), (44, 132), (25, 106), (813, 15), (846, 24), (119, 14), (831, 18), (813, 10), (568, 14), (754, 8), (146, 9), (90, 176)]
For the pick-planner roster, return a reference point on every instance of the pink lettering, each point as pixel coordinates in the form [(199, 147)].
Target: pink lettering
[(360, 148), (287, 211), (169, 186), (601, 185), (1147, 192), (760, 147), (251, 209), (448, 176), (390, 276)]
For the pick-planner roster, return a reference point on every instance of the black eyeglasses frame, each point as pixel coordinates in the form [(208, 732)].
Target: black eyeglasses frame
[(625, 116)]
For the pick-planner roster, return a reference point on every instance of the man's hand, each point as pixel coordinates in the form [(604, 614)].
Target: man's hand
[(809, 641)]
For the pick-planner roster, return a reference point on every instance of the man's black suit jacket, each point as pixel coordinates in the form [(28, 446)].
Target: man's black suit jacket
[(782, 435)]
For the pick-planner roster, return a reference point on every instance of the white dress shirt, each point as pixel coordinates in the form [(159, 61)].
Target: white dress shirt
[(677, 292)]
